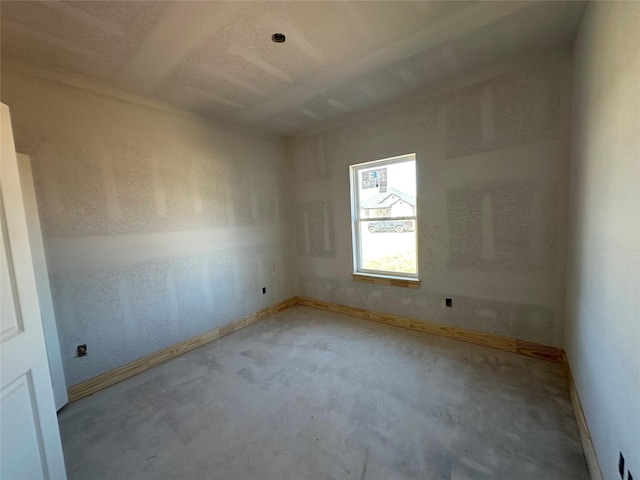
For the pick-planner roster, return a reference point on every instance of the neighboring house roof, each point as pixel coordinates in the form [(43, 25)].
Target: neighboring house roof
[(388, 198)]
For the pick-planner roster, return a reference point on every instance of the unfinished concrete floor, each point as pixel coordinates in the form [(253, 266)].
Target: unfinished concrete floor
[(308, 394)]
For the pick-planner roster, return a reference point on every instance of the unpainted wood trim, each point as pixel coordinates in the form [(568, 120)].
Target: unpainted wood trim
[(128, 370), (587, 444), (522, 347), (123, 372), (393, 282), (530, 349)]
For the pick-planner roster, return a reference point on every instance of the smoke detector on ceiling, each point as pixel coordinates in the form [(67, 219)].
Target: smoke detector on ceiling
[(278, 37)]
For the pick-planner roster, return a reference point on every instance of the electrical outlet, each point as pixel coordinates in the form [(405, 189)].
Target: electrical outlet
[(81, 350), (448, 302), (621, 465), (264, 290)]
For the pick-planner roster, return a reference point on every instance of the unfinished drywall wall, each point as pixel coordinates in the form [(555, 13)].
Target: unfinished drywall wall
[(492, 158), (157, 226), (603, 293)]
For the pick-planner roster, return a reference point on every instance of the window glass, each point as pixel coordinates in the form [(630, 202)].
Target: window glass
[(384, 211)]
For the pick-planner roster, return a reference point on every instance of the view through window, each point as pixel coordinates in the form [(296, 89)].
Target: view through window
[(383, 196)]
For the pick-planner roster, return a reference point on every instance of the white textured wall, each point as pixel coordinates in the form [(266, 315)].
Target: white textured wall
[(492, 156), (603, 294), (157, 226)]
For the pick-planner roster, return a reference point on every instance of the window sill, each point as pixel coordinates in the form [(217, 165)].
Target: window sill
[(383, 280)]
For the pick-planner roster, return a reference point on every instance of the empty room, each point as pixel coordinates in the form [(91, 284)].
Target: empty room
[(309, 240)]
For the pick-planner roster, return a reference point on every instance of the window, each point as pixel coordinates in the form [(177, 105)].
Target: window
[(383, 218)]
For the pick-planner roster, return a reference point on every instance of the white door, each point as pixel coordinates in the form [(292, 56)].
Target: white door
[(42, 282), (30, 446)]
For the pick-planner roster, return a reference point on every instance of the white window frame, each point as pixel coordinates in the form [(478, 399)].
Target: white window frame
[(356, 218)]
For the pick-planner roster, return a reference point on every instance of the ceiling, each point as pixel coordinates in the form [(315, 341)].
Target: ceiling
[(217, 59)]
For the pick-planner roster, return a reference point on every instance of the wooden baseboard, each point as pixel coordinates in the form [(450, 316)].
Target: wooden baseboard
[(123, 372), (530, 349), (587, 444), (522, 347)]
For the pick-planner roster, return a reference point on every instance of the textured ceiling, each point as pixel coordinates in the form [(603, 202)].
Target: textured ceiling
[(217, 58)]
